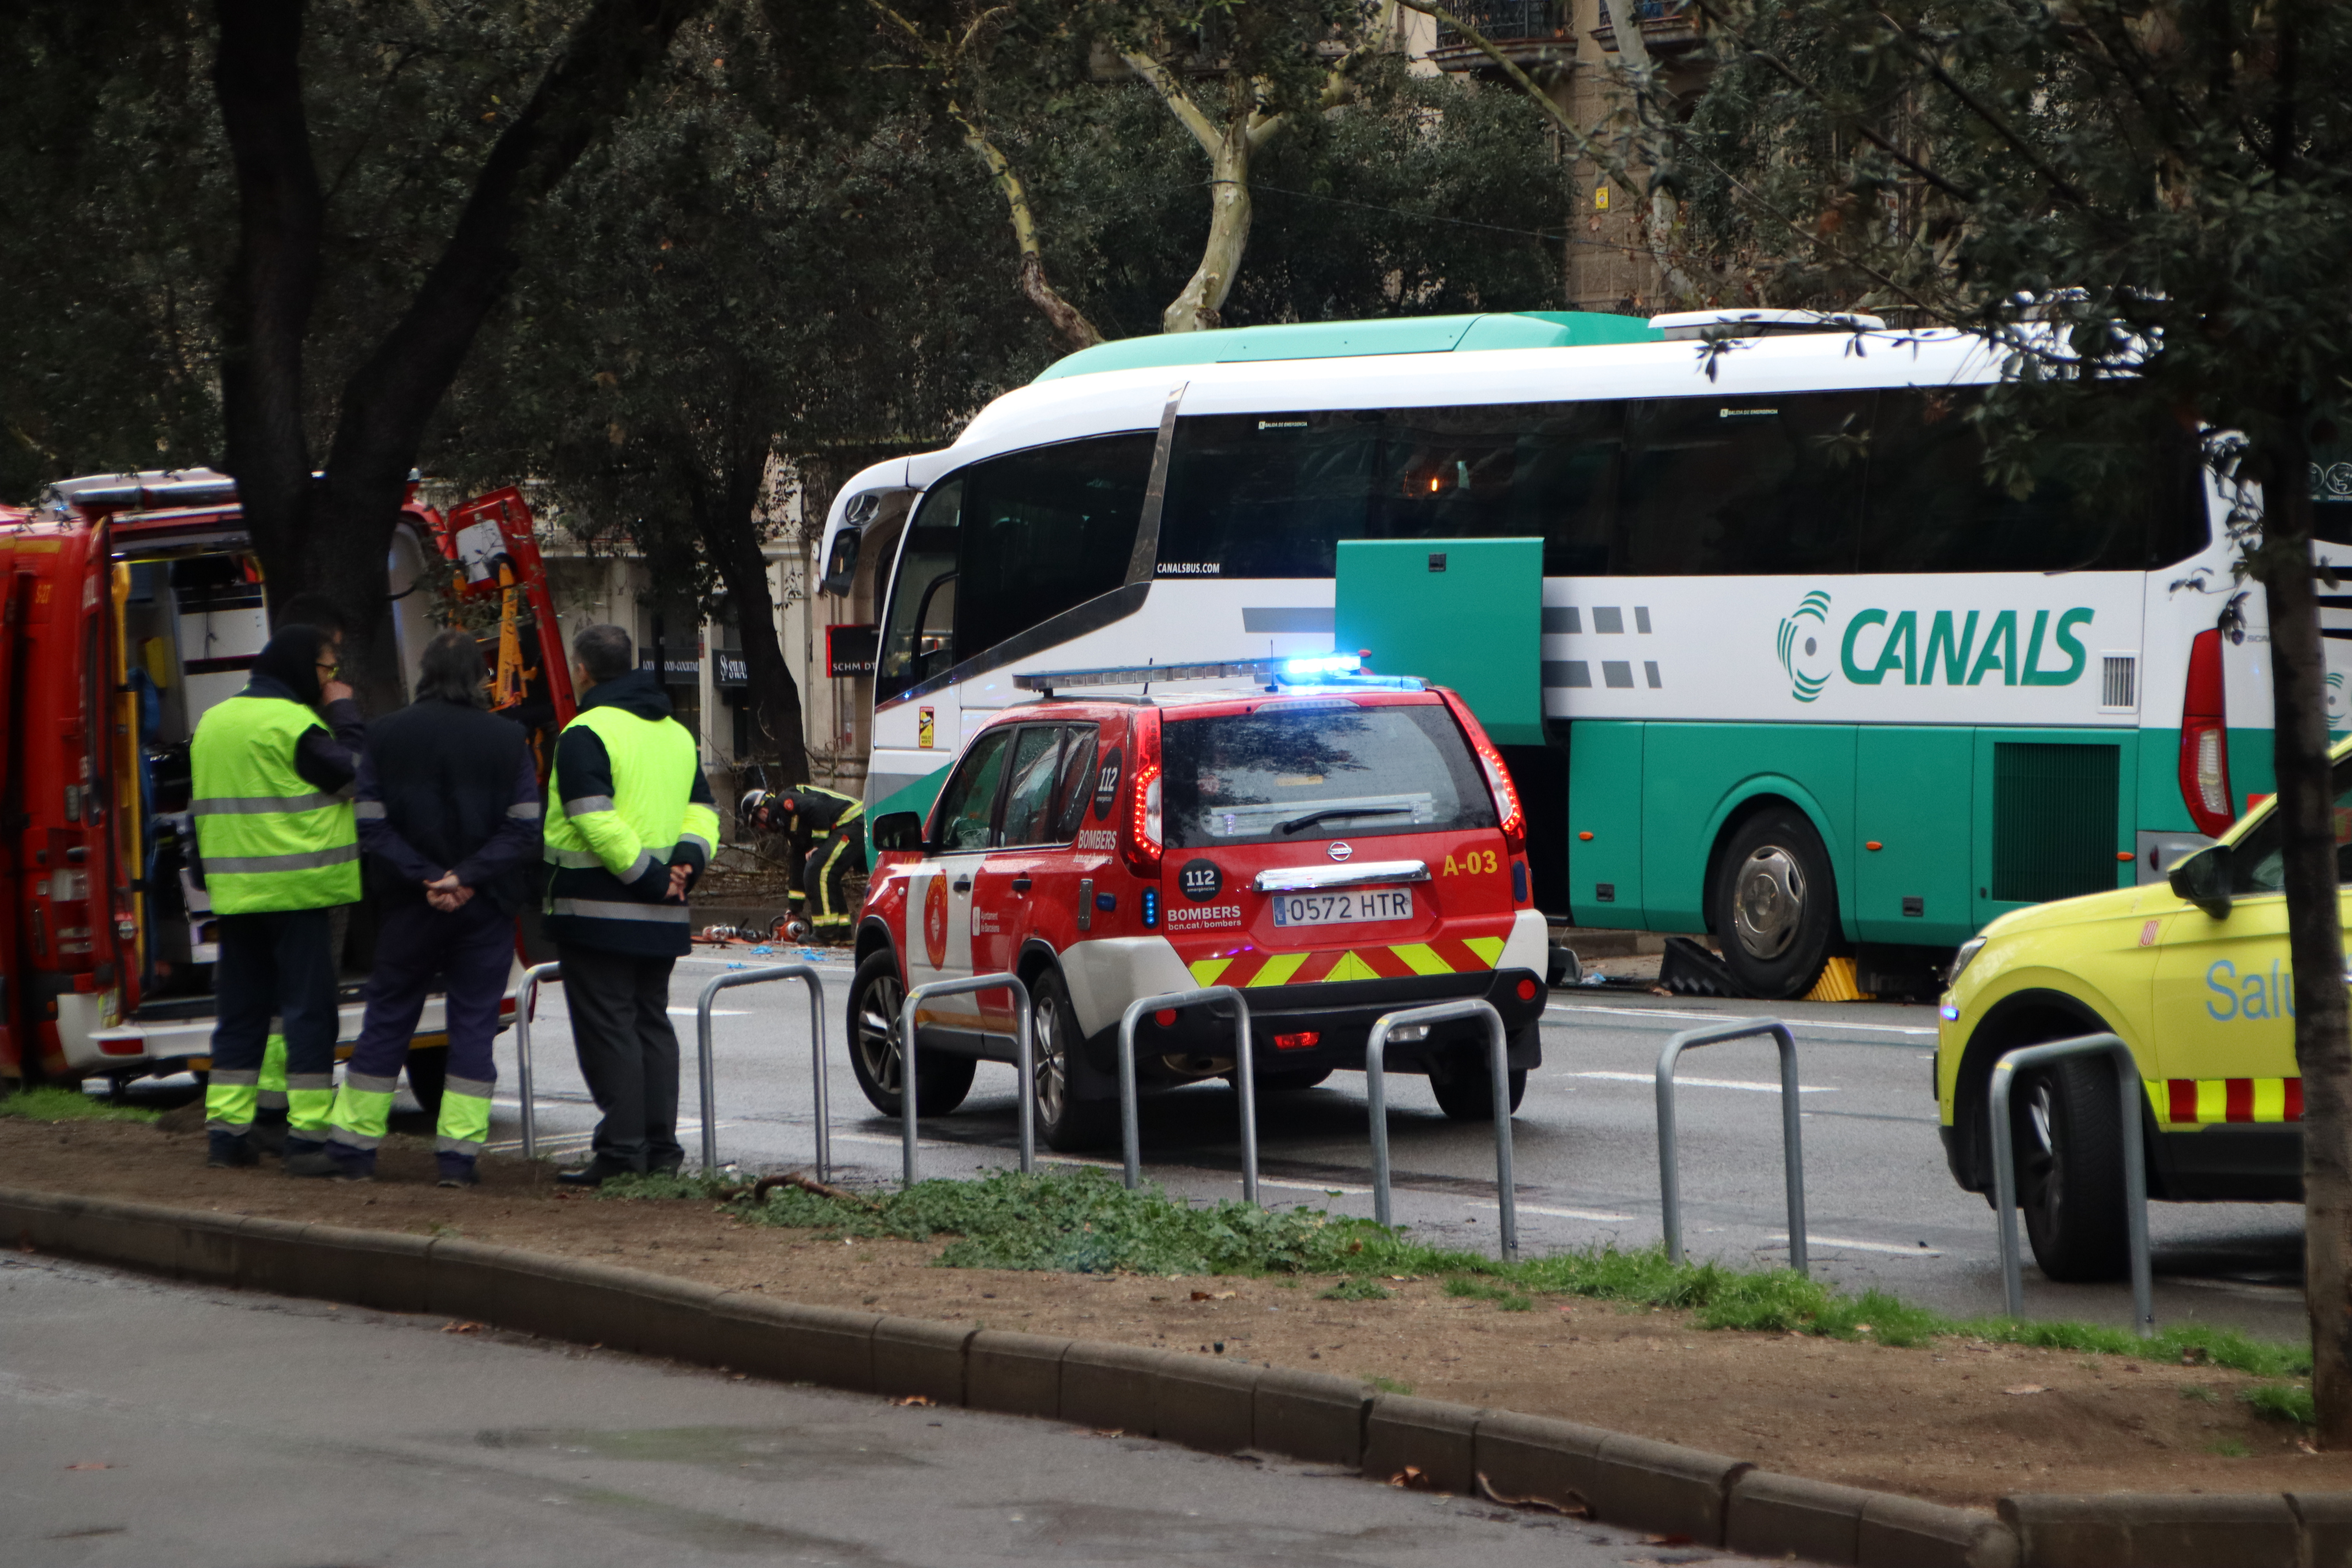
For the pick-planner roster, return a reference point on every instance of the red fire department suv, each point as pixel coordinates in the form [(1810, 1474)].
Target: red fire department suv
[(1337, 851)]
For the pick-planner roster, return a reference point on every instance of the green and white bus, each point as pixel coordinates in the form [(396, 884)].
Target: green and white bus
[(1770, 656)]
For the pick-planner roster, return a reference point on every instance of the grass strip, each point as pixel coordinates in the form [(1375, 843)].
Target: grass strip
[(49, 1103), (1081, 1220)]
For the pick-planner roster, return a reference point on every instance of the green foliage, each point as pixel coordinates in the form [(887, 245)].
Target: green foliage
[(1390, 1385), (2286, 1402), (2229, 1448), (1356, 1288), (2199, 1393), (51, 1104)]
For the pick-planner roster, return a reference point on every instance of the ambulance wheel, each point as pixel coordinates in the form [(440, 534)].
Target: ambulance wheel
[(877, 997), (2067, 1130), (1466, 1090), (428, 1072), (1775, 904), (1068, 1124)]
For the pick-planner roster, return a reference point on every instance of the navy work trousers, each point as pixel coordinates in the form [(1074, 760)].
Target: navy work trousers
[(278, 964), (628, 1052), (470, 952)]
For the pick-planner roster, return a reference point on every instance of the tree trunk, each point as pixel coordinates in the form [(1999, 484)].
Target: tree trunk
[(730, 540), (1196, 307), (387, 403), (2306, 809), (1066, 318), (273, 281)]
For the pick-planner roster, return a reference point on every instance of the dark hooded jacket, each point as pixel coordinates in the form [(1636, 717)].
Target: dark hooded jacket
[(288, 668), (584, 769)]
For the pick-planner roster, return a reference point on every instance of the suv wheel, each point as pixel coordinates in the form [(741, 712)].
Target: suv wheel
[(1774, 904), (2064, 1122), (1466, 1090), (1068, 1124), (1296, 1081), (876, 997)]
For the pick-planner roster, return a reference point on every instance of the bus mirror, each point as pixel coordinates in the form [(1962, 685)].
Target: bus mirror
[(841, 565), (2203, 880), (900, 832)]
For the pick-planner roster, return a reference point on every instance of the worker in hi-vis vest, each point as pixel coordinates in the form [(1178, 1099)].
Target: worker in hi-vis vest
[(449, 815), (278, 849), (630, 827)]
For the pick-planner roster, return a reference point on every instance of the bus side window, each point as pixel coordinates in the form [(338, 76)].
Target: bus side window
[(919, 640), (1508, 470), (1043, 531), (1266, 495), (1742, 486), (2097, 501)]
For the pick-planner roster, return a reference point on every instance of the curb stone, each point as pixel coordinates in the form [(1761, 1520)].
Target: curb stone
[(1221, 1406)]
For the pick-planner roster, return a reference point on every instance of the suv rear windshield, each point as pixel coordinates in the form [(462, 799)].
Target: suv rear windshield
[(1317, 768)]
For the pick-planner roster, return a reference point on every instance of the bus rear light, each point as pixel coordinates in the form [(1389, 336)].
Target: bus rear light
[(2205, 739)]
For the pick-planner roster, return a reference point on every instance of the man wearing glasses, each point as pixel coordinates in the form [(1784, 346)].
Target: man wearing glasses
[(280, 850)]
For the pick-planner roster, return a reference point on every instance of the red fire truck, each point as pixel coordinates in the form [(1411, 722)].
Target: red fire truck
[(129, 606)]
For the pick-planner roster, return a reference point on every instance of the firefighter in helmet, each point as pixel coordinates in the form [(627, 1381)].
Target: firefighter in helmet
[(833, 826)]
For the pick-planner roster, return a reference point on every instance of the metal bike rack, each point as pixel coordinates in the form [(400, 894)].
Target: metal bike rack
[(1022, 1048), (2004, 1167), (1244, 1077), (526, 997), (1792, 1151), (817, 1055), (1498, 1067)]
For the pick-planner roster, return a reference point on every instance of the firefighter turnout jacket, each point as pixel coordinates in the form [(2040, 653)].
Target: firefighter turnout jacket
[(627, 802), (270, 838)]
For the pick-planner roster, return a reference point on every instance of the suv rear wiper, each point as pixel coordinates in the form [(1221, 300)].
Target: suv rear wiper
[(1312, 818)]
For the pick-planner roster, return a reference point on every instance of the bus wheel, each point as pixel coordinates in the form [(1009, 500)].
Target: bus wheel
[(2066, 1125), (1068, 1124), (1775, 904), (877, 997)]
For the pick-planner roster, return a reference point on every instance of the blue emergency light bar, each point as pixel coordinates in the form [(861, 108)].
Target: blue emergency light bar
[(1314, 669)]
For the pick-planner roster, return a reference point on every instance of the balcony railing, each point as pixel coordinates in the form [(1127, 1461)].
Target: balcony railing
[(1527, 30), (1666, 27)]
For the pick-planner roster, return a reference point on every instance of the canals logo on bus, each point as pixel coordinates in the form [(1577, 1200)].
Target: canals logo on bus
[(1958, 647)]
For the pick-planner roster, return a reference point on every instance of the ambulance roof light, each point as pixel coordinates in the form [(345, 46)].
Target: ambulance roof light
[(1328, 670)]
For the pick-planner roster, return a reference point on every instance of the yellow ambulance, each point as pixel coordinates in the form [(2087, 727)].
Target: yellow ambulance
[(2192, 973)]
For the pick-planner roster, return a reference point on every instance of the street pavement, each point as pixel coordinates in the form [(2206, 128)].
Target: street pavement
[(1881, 1206), (144, 1422)]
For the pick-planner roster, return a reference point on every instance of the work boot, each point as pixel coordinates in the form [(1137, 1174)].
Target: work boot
[(332, 1161), (230, 1151), (595, 1174), (456, 1170), (268, 1133)]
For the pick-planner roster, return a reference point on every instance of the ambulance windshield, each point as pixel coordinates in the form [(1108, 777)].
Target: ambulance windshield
[(1307, 770)]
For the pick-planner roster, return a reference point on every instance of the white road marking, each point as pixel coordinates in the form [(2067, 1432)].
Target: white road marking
[(1799, 1025), (1598, 1215), (1890, 1248), (1651, 1077)]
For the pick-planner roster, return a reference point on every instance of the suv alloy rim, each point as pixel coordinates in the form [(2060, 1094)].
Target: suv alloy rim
[(1053, 1072), (878, 1031), (1768, 903)]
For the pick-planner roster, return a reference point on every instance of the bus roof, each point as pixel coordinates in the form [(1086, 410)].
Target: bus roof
[(1347, 339)]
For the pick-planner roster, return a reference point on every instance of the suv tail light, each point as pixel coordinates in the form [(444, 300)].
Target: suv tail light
[(2205, 739), (1145, 844), (1508, 809)]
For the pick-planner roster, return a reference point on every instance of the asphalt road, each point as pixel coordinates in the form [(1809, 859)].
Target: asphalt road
[(1882, 1209), (144, 1423)]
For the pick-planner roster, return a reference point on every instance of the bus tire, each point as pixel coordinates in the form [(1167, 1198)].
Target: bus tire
[(2067, 1131), (877, 997), (1069, 1123), (1775, 904)]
